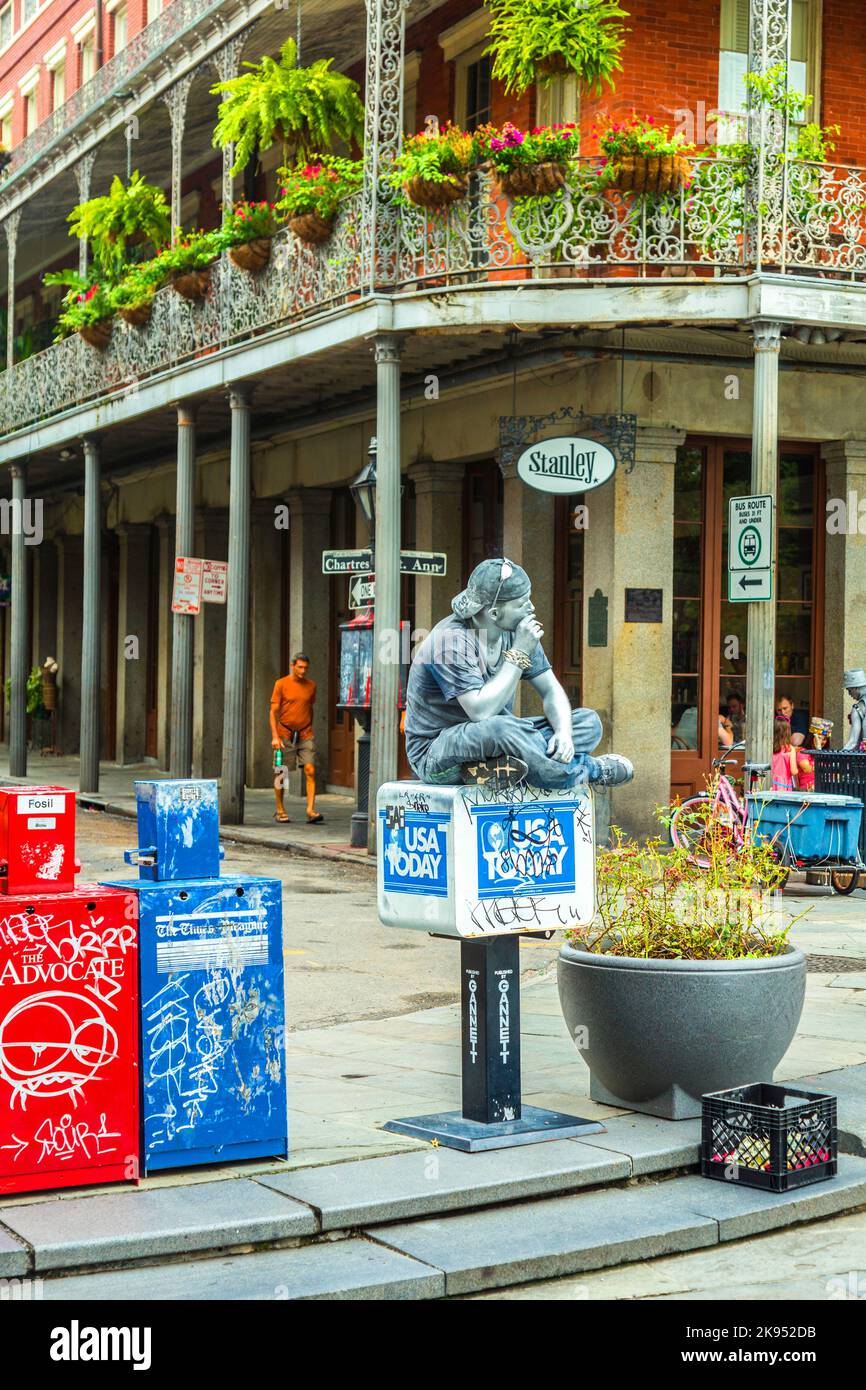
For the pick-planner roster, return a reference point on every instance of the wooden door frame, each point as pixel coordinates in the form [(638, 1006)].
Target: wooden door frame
[(692, 766)]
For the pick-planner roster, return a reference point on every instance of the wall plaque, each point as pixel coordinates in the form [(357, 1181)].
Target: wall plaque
[(643, 605), (596, 635)]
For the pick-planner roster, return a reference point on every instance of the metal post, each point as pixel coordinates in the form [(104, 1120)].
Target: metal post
[(83, 171), (760, 671), (176, 99), (10, 227), (383, 137), (90, 636), (237, 613), (226, 62), (490, 988), (386, 628), (769, 44), (180, 743), (20, 631)]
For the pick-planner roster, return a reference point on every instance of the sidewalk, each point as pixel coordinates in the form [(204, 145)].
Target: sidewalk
[(327, 841)]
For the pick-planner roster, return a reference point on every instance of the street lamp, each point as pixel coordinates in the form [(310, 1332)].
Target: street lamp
[(363, 489)]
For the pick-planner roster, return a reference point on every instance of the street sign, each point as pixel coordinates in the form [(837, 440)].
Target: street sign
[(429, 562), (362, 591), (186, 596), (214, 581), (347, 561), (750, 549)]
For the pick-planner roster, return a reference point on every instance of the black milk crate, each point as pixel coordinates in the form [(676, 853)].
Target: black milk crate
[(773, 1137), (845, 775)]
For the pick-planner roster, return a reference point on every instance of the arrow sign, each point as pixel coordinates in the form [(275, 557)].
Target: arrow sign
[(747, 586)]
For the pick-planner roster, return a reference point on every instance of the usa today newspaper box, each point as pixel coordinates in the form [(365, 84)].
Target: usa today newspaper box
[(485, 867)]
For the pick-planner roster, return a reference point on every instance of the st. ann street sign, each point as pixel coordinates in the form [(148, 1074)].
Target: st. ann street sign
[(565, 465)]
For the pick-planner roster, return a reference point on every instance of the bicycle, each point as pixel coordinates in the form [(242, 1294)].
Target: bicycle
[(722, 805)]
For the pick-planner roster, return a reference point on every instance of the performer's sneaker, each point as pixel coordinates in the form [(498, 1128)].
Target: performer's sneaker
[(614, 770), (496, 773)]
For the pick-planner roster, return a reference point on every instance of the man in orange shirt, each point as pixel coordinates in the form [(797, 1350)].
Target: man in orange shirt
[(292, 730)]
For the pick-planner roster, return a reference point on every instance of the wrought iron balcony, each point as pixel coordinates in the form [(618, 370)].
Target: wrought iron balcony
[(814, 225)]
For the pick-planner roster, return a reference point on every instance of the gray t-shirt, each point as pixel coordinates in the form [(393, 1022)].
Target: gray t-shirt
[(449, 662)]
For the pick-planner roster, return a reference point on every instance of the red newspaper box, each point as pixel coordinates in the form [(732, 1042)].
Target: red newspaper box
[(37, 840), (69, 1073)]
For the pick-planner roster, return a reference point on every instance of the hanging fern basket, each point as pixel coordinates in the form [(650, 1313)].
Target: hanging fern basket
[(533, 180), (430, 193), (311, 228), (137, 316), (191, 284), (252, 256), (97, 335), (637, 173), (552, 65)]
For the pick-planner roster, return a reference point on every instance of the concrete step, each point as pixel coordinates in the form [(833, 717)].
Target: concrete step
[(490, 1248)]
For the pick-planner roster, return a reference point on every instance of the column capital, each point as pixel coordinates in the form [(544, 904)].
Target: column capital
[(387, 347), (658, 444), (767, 335), (430, 475), (240, 395), (90, 444), (186, 412), (18, 470), (846, 454)]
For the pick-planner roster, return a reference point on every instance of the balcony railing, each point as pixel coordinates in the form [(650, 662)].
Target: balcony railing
[(818, 229)]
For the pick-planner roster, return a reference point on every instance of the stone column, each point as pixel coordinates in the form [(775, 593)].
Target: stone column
[(89, 742), (165, 625), (386, 648), (183, 624), (70, 575), (234, 747), (211, 543), (629, 544), (310, 602), (438, 526), (761, 658), (19, 665), (266, 609), (44, 602), (10, 227), (132, 655), (528, 538), (844, 575)]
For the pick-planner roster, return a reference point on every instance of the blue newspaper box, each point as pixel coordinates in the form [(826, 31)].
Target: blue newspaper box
[(178, 830), (212, 1020)]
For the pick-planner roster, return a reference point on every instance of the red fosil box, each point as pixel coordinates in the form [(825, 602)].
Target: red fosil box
[(37, 840), (69, 1070)]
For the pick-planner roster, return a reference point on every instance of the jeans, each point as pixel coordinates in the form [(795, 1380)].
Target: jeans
[(525, 738)]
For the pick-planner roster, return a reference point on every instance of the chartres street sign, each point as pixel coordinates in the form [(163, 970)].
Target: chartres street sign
[(750, 549), (566, 464), (347, 561)]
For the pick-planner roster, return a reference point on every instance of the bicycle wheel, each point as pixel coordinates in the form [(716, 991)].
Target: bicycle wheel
[(843, 881), (693, 820)]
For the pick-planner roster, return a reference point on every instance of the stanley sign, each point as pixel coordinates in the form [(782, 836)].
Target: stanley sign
[(566, 465)]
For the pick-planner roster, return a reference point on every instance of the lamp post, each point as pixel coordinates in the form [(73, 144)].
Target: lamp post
[(355, 639)]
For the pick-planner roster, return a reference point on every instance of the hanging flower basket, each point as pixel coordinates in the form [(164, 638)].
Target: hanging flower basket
[(637, 173), (252, 255), (191, 284), (311, 228), (532, 180), (432, 194), (553, 64), (98, 334), (138, 316)]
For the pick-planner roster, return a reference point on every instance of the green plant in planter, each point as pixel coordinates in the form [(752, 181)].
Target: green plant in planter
[(132, 296), (433, 167), (194, 250), (86, 304), (33, 688), (534, 40), (530, 163), (319, 186), (245, 222), (306, 108), (127, 214)]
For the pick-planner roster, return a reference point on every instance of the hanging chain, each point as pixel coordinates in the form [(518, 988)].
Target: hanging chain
[(298, 40)]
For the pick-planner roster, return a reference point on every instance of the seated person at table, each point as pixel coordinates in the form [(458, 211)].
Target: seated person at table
[(797, 718), (462, 682), (737, 715)]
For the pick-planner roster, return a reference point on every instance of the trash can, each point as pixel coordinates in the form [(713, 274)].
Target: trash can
[(808, 827), (69, 1081), (843, 774)]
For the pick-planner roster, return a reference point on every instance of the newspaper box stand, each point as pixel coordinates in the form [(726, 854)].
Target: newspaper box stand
[(37, 840), (486, 867), (211, 987), (68, 1037)]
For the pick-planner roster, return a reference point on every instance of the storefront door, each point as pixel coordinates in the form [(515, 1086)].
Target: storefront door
[(709, 653)]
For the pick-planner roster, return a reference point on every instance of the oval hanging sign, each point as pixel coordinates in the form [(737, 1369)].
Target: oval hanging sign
[(566, 464)]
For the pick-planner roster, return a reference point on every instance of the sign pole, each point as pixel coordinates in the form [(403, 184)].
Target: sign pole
[(761, 650)]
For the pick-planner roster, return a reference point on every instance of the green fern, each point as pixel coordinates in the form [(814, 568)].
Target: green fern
[(307, 109), (588, 34), (134, 212)]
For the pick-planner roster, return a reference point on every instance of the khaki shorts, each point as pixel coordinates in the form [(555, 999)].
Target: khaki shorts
[(298, 754)]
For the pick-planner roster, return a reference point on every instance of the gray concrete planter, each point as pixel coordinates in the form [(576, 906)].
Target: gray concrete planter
[(658, 1034)]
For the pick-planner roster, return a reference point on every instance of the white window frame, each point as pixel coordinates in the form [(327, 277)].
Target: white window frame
[(148, 17), (112, 7), (13, 33), (7, 107), (731, 123), (564, 92), (55, 65), (28, 86)]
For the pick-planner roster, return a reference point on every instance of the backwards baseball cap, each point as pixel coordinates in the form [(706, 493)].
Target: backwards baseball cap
[(488, 582)]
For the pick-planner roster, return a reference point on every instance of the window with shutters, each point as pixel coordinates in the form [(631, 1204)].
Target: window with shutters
[(804, 73), (558, 102)]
